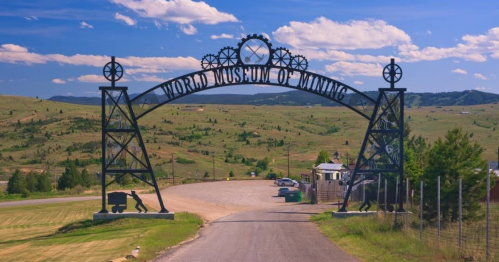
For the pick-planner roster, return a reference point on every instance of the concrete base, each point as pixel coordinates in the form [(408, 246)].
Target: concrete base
[(104, 216), (353, 214)]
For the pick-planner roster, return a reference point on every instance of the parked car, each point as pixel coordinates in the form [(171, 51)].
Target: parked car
[(286, 182), (272, 176), (282, 191)]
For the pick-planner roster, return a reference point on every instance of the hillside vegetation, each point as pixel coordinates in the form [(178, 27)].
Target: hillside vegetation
[(39, 134)]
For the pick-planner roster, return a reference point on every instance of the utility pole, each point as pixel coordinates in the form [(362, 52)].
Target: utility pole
[(173, 170), (213, 154), (288, 160)]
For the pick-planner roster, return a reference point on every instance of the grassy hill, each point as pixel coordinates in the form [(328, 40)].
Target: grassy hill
[(39, 134), (300, 98)]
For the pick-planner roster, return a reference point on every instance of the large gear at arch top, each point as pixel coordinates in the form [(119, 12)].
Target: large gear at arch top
[(254, 50)]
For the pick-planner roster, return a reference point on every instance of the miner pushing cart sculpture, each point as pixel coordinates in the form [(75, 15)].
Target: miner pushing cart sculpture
[(119, 200)]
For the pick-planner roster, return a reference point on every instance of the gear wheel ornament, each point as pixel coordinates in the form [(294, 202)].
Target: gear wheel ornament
[(255, 50), (299, 62), (281, 57), (109, 70), (392, 73), (209, 61), (228, 56)]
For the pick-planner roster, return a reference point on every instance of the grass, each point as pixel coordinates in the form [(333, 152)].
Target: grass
[(163, 129), (62, 232), (370, 240)]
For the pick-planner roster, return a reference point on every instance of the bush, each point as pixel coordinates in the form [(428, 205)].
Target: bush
[(231, 174), (206, 174), (181, 160)]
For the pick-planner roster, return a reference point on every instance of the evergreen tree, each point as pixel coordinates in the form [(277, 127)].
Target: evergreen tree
[(17, 183), (70, 178), (31, 180), (43, 183), (323, 157), (231, 174), (453, 158), (86, 181)]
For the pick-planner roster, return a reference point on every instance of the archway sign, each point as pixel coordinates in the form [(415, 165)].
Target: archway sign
[(252, 62)]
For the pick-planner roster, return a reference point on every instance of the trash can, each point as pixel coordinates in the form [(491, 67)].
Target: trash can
[(293, 196)]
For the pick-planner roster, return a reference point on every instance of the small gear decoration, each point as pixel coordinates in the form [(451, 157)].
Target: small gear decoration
[(113, 68), (227, 56), (299, 62), (281, 57), (254, 50), (209, 61), (392, 73)]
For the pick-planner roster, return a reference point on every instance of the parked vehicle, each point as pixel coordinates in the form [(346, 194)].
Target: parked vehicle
[(282, 191), (272, 176), (286, 182)]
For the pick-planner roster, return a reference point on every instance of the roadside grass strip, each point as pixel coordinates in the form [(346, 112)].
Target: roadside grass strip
[(371, 240), (65, 232)]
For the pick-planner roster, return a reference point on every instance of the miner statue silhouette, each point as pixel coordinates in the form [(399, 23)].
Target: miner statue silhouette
[(139, 202)]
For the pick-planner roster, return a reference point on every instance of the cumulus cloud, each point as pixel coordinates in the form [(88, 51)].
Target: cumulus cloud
[(479, 76), (92, 79), (265, 35), (83, 24), (58, 81), (177, 11), (157, 24), (428, 32), (329, 34), (480, 88), (129, 21), (459, 71), (14, 54), (222, 36), (358, 82), (31, 18), (353, 69), (188, 29), (149, 78)]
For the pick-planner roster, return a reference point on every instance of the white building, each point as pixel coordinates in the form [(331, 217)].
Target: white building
[(329, 171)]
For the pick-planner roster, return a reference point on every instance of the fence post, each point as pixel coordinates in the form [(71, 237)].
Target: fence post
[(488, 212), (386, 188), (377, 194), (407, 202), (421, 214), (460, 212), (396, 198), (438, 209), (363, 192)]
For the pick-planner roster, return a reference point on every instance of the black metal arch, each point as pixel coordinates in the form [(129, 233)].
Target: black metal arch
[(124, 152), (308, 81)]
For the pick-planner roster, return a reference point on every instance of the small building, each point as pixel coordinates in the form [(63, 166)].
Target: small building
[(327, 171), (465, 113)]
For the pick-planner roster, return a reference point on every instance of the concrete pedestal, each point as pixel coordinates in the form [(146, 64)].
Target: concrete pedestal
[(104, 216), (353, 214)]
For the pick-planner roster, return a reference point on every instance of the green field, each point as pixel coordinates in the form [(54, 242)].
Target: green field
[(64, 232), (39, 134)]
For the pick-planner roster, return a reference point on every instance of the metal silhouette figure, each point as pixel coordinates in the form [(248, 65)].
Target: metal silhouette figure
[(366, 202), (139, 202)]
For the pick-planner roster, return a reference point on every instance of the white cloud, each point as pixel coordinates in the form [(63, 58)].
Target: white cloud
[(58, 81), (329, 34), (129, 21), (428, 32), (145, 70), (71, 79), (266, 35), (177, 11), (92, 79), (455, 61), (354, 69), (69, 94), (459, 71), (149, 78), (157, 24), (85, 25), (188, 29), (358, 82), (480, 88), (222, 36), (13, 54), (30, 18), (479, 76)]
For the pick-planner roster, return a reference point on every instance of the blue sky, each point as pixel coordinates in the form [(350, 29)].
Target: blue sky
[(54, 47)]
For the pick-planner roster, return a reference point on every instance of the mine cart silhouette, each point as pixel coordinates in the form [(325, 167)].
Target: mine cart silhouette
[(118, 199)]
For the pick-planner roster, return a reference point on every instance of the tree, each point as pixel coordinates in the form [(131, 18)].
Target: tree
[(70, 178), (231, 174), (31, 180), (43, 183), (453, 158), (263, 164), (17, 183), (206, 174), (323, 157), (86, 181)]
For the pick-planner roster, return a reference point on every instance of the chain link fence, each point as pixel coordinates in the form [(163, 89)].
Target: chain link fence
[(439, 218)]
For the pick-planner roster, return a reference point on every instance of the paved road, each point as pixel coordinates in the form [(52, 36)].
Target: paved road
[(273, 231), (47, 201)]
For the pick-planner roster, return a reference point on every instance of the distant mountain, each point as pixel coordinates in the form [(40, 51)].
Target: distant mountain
[(299, 98)]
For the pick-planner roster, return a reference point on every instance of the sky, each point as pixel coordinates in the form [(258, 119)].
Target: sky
[(55, 47)]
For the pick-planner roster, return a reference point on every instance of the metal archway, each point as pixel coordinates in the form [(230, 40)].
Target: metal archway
[(253, 62)]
